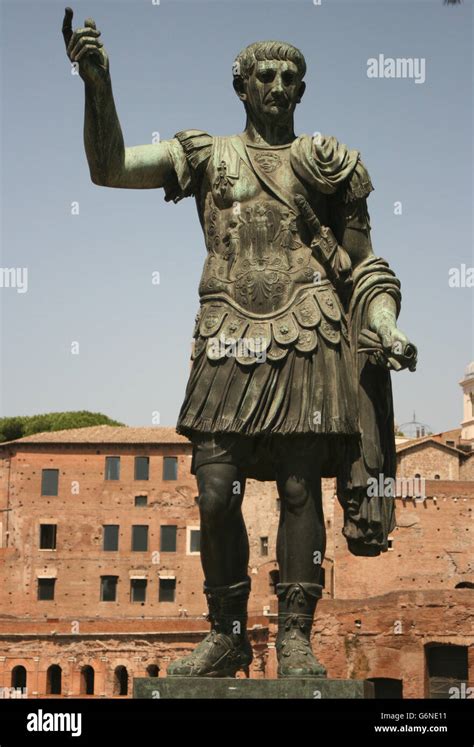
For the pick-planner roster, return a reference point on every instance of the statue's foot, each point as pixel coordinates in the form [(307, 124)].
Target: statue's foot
[(218, 655), (296, 606), (296, 659)]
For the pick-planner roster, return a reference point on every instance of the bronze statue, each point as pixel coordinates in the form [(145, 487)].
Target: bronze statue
[(293, 343)]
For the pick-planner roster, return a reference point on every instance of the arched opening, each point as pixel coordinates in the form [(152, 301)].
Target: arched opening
[(87, 680), (54, 680), (120, 681), (465, 585), (19, 676), (153, 670), (386, 687), (273, 580), (447, 670)]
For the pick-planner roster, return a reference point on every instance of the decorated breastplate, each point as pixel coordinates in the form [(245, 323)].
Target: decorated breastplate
[(255, 257), (260, 278)]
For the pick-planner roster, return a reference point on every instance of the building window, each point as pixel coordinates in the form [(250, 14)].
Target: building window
[(447, 669), (138, 589), (112, 468), (437, 477), (120, 681), (49, 482), (48, 536), (168, 538), (417, 476), (390, 543), (111, 537), (139, 537), (87, 680), (387, 688), (54, 680), (170, 468), (108, 588), (46, 589), (263, 545), (18, 676), (141, 500), (152, 670), (273, 580), (194, 540), (167, 590), (142, 468)]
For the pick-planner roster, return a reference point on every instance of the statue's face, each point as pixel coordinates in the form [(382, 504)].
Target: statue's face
[(273, 89)]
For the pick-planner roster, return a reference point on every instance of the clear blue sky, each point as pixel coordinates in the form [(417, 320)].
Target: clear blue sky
[(89, 276)]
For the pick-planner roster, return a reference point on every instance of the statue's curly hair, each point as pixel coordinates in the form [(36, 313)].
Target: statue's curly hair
[(267, 50)]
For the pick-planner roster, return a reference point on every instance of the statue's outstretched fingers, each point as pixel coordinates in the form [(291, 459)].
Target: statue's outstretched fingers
[(67, 26)]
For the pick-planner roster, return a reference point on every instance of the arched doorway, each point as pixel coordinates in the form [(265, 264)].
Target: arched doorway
[(121, 681), (54, 680), (87, 680), (19, 676)]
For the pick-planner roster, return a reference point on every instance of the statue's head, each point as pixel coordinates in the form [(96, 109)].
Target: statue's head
[(268, 78)]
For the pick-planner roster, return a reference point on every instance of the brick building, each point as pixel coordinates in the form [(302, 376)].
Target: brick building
[(102, 581)]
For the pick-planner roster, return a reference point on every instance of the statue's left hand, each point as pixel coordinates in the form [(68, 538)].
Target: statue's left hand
[(396, 351)]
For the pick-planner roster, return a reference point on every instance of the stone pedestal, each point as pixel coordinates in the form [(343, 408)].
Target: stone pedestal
[(222, 687)]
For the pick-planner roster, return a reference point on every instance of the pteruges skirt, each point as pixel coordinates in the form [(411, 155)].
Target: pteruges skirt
[(310, 394)]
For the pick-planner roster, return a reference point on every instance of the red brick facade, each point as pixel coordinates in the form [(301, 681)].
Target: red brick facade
[(378, 617)]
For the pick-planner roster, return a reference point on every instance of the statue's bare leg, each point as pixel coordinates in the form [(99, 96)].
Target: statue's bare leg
[(224, 557), (224, 539), (301, 540), (301, 544)]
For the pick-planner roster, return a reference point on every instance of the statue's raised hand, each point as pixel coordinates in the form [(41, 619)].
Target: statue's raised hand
[(83, 46)]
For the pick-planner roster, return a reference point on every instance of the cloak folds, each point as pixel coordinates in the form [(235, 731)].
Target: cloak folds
[(369, 519)]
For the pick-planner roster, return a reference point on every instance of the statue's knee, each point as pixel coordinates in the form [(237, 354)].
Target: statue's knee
[(295, 493), (215, 501)]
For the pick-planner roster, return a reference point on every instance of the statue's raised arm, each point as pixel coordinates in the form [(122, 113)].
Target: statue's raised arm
[(111, 164)]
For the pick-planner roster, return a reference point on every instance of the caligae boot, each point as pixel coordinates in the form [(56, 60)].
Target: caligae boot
[(296, 606), (226, 649)]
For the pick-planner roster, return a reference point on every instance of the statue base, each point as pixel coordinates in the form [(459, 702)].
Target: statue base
[(231, 687)]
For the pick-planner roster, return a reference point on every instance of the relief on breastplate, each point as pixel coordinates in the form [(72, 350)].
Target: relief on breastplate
[(256, 255)]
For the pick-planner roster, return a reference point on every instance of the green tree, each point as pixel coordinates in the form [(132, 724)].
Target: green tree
[(17, 427)]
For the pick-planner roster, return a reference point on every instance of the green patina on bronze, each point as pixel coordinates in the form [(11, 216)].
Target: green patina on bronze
[(294, 339)]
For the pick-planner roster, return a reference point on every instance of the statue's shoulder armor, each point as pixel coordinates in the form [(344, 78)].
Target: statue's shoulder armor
[(205, 152), (197, 146), (331, 166)]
